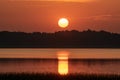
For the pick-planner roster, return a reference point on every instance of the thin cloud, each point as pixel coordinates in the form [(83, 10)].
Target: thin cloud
[(107, 17), (59, 0), (102, 17)]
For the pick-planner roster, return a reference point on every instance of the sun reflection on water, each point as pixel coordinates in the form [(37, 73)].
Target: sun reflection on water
[(63, 62)]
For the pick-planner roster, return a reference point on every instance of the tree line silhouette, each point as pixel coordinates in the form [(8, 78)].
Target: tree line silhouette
[(60, 39)]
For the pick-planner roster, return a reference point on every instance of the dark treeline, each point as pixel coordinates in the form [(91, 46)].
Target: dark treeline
[(60, 39)]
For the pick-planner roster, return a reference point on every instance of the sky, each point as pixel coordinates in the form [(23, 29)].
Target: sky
[(43, 15)]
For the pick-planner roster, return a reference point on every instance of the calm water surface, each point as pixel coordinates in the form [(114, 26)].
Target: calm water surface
[(62, 61)]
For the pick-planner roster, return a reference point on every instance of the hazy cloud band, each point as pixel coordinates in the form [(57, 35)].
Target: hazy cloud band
[(59, 0)]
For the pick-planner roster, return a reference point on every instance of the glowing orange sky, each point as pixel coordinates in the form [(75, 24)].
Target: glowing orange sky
[(39, 15)]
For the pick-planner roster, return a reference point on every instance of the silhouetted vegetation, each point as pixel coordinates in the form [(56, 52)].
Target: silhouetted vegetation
[(60, 39), (51, 76)]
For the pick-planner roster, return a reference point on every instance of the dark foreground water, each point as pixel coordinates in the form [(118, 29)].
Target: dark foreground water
[(62, 61)]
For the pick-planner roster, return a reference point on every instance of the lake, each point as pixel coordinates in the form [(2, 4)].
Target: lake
[(62, 61)]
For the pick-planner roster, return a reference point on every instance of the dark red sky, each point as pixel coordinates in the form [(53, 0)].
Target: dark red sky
[(42, 15)]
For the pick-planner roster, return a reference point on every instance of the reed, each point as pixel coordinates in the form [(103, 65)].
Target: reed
[(52, 76)]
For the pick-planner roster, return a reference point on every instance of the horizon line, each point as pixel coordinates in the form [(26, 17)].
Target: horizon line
[(64, 31)]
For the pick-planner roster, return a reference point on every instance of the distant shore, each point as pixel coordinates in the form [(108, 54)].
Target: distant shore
[(60, 39)]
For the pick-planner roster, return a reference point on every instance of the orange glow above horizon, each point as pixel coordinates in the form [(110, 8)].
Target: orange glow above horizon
[(63, 63), (43, 15)]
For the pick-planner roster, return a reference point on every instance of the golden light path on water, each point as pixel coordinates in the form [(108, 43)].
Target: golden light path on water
[(63, 62)]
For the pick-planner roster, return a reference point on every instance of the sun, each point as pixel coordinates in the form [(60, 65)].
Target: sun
[(63, 22)]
